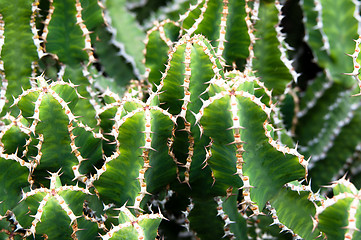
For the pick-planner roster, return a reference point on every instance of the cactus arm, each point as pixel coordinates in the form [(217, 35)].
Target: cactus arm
[(131, 227), (299, 206), (162, 168), (15, 137), (189, 18), (150, 224), (333, 222), (58, 150), (223, 24), (323, 141), (158, 43), (327, 30), (270, 56), (120, 72), (235, 225), (63, 23), (228, 221), (92, 15), (50, 157), (27, 103), (127, 34), (222, 167), (205, 66), (114, 105), (315, 36), (139, 149), (237, 40), (121, 190), (245, 141), (200, 212), (18, 49), (205, 20), (345, 142), (199, 55), (65, 20), (283, 46), (53, 213), (52, 154), (56, 204), (337, 216), (12, 166), (183, 95), (175, 92), (342, 45), (86, 34), (117, 67), (333, 101)]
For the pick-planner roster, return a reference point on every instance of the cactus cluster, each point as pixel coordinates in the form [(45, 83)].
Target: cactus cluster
[(180, 119)]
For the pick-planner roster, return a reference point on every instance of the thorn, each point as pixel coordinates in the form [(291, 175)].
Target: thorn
[(351, 74), (245, 187), (355, 95), (257, 214), (296, 146), (187, 182), (149, 148), (214, 182), (235, 127), (315, 223)]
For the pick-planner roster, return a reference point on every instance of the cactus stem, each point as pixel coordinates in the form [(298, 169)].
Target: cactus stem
[(319, 26), (133, 222), (276, 220), (186, 214), (52, 192), (251, 15), (225, 218), (122, 52), (36, 38), (88, 48), (283, 46), (47, 21), (284, 149), (222, 32)]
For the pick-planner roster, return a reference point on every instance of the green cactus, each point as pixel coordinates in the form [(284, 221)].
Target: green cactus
[(173, 119)]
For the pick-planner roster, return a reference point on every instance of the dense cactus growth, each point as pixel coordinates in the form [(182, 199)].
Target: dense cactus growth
[(200, 119)]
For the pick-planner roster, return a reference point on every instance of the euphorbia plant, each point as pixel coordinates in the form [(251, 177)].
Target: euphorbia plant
[(206, 123)]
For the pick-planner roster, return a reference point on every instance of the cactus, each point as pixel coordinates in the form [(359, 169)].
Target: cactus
[(200, 119)]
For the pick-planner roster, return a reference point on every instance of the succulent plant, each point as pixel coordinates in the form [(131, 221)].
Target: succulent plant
[(179, 119)]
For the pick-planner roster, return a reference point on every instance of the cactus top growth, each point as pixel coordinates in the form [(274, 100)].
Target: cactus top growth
[(176, 119)]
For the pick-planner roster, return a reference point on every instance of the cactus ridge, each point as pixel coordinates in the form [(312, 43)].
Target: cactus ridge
[(346, 196)]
